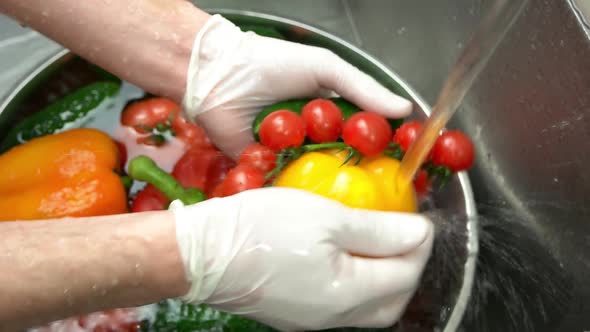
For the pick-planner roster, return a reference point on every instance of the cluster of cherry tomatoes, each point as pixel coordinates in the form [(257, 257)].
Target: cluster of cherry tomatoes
[(321, 121), (369, 133), (202, 165)]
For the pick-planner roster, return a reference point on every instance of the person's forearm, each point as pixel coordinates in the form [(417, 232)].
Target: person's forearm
[(146, 42), (61, 268)]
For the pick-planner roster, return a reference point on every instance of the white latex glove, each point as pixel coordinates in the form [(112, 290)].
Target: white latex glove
[(233, 74), (283, 257)]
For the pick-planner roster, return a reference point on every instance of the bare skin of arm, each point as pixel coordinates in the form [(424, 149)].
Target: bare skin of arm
[(59, 268), (145, 42), (53, 269)]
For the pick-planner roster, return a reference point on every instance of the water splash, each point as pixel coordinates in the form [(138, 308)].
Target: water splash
[(519, 285)]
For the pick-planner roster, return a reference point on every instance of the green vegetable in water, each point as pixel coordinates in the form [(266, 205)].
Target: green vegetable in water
[(296, 105), (60, 114), (174, 316), (142, 168)]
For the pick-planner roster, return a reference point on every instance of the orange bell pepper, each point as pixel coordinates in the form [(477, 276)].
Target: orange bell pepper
[(71, 173)]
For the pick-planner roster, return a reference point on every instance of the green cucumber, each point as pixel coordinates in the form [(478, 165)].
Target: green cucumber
[(263, 31), (345, 106), (58, 115), (296, 105)]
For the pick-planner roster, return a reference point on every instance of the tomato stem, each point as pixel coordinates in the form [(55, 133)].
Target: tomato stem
[(322, 146), (285, 156)]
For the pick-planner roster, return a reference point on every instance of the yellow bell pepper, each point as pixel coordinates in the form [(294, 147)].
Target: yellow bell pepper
[(371, 184)]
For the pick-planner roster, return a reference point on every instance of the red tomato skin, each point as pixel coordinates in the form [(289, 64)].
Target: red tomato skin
[(368, 132), (191, 134), (217, 191), (149, 199), (202, 168), (454, 150), (148, 113), (259, 156), (282, 129), (323, 120), (242, 178), (421, 183), (406, 134)]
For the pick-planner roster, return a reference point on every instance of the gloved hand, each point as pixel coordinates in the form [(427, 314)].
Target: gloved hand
[(233, 74), (284, 257)]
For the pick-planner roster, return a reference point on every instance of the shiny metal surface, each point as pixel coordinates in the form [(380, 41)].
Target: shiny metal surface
[(531, 116), (529, 113)]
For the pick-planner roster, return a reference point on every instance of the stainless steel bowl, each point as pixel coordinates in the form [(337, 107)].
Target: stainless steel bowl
[(65, 72)]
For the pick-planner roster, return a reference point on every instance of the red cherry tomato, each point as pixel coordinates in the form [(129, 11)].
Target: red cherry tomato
[(367, 132), (421, 183), (149, 199), (154, 116), (406, 134), (323, 120), (202, 168), (454, 150), (191, 134), (282, 129), (217, 191), (241, 178), (143, 115), (259, 156)]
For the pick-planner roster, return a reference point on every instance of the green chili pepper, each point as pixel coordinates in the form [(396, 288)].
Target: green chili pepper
[(142, 168)]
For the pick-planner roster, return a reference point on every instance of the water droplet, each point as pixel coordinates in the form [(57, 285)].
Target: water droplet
[(94, 287), (401, 30), (556, 180)]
